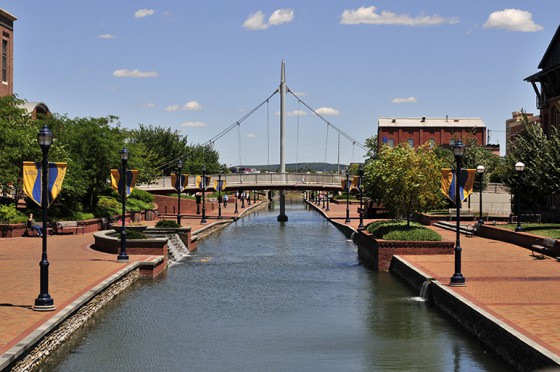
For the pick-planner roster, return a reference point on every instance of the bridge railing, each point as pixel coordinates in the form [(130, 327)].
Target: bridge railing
[(261, 180)]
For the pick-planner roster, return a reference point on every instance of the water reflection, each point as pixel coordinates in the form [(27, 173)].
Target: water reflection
[(263, 295)]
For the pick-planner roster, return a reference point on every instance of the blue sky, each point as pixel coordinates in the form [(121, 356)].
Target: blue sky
[(200, 66)]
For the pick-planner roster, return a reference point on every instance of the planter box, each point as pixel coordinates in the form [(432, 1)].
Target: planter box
[(378, 253)]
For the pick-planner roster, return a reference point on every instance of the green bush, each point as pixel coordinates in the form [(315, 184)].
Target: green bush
[(134, 234), (167, 223), (398, 230), (137, 205), (108, 207), (143, 195), (82, 216), (9, 214)]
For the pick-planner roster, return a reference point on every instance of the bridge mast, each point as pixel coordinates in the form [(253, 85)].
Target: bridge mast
[(282, 216)]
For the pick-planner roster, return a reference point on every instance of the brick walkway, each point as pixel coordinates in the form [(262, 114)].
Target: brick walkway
[(503, 279)]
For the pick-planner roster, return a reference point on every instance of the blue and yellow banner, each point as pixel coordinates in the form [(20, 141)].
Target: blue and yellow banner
[(346, 188), (32, 184), (116, 180), (220, 185), (448, 183), (200, 184), (356, 183), (179, 183)]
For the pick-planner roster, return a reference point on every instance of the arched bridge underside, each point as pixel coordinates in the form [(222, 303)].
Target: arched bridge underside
[(256, 181)]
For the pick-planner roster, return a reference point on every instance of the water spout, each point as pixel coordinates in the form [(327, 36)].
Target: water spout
[(424, 289)]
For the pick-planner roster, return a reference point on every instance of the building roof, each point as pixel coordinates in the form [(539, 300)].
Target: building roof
[(39, 107), (550, 60), (431, 122), (7, 15)]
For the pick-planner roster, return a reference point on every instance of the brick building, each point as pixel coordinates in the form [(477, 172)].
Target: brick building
[(515, 125), (436, 131), (546, 84), (7, 62)]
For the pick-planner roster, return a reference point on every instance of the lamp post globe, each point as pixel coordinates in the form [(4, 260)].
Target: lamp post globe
[(123, 257), (179, 185), (519, 167), (480, 170), (458, 280), (44, 301)]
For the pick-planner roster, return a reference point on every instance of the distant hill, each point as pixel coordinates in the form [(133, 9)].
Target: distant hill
[(301, 167)]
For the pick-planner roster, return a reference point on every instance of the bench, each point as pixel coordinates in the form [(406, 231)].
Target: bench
[(545, 247), (64, 226), (32, 232)]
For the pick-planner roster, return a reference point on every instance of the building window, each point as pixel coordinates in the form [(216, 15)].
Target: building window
[(410, 142), (390, 142), (4, 60)]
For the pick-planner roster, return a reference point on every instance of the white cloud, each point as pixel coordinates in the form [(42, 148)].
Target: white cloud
[(194, 124), (367, 15), (251, 136), (134, 73), (512, 20), (404, 100), (192, 106), (327, 111), (296, 113), (256, 20), (189, 106), (149, 105), (281, 16), (141, 13), (105, 36)]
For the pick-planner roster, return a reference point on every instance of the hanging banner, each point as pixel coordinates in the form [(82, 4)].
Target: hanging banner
[(356, 183), (116, 181), (220, 185), (448, 183), (345, 187), (200, 184), (179, 183), (32, 183)]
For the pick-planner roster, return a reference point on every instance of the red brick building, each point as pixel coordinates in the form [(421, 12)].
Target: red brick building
[(435, 131), (7, 61), (515, 125), (546, 84)]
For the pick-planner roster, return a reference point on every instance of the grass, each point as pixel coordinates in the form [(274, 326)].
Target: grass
[(551, 230), (398, 230)]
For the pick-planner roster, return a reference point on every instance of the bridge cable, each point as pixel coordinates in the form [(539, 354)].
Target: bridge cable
[(297, 139), (329, 123), (234, 125), (326, 148)]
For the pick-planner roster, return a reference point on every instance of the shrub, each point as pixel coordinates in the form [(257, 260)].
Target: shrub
[(9, 214), (137, 205), (108, 207), (81, 216), (134, 234), (167, 223), (143, 195), (398, 230)]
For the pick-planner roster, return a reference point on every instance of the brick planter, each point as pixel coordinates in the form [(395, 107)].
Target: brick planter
[(107, 241), (377, 253)]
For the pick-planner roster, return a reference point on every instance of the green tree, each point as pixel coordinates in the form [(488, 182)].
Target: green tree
[(405, 180)]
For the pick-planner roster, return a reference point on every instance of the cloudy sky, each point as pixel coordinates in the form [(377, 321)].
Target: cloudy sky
[(201, 66)]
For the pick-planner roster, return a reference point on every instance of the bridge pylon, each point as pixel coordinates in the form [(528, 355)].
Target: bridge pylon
[(282, 216)]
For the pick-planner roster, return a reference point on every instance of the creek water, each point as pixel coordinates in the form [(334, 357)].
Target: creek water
[(268, 296)]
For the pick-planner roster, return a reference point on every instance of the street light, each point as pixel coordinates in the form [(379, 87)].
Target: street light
[(458, 280), (361, 174), (519, 167), (219, 196), (347, 192), (203, 184), (123, 257), (480, 170), (236, 199), (179, 183), (44, 301)]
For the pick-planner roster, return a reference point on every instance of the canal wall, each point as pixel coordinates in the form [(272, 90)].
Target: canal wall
[(515, 348)]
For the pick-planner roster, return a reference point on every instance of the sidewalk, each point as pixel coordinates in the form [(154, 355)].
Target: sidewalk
[(76, 273), (503, 279)]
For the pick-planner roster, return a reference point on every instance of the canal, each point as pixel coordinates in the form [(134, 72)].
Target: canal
[(267, 296)]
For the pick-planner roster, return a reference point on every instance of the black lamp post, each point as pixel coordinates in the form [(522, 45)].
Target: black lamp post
[(347, 192), (361, 174), (328, 209), (236, 199), (219, 196), (480, 170), (179, 182), (324, 201), (44, 301), (519, 167), (458, 280), (123, 257), (203, 185)]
